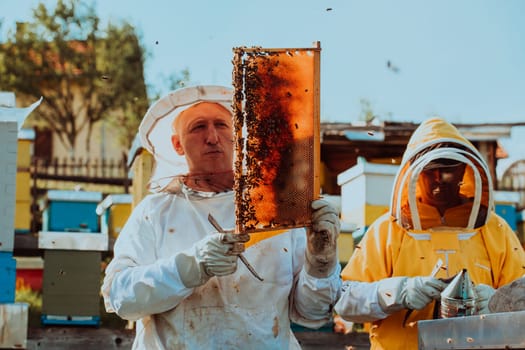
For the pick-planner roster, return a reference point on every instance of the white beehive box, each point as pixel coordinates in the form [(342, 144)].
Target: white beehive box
[(365, 191)]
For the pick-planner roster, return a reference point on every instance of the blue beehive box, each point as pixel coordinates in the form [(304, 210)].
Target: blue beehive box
[(7, 277), (71, 211), (509, 213), (506, 203)]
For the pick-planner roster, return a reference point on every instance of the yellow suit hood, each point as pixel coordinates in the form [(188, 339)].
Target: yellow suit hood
[(436, 138)]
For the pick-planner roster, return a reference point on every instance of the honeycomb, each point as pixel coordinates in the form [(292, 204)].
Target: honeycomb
[(276, 124)]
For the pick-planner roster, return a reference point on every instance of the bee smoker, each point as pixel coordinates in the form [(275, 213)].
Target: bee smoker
[(459, 298)]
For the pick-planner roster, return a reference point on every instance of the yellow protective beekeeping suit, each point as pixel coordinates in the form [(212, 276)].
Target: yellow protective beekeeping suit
[(413, 236)]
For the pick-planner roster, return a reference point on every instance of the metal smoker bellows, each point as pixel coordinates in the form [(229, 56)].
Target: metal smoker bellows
[(459, 298)]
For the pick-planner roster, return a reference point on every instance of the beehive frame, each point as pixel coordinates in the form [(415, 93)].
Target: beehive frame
[(276, 107)]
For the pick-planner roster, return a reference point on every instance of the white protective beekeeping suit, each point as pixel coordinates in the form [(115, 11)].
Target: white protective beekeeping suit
[(236, 311)]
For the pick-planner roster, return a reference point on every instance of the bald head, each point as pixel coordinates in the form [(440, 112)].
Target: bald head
[(183, 118)]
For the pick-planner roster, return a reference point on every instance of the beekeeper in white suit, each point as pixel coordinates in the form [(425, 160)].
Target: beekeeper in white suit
[(179, 278)]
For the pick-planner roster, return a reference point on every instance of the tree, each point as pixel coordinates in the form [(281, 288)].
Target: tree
[(172, 81), (367, 114), (132, 104), (85, 74)]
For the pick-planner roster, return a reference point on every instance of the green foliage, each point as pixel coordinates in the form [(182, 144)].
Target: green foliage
[(173, 81), (177, 81), (29, 296), (24, 294), (84, 73), (125, 73)]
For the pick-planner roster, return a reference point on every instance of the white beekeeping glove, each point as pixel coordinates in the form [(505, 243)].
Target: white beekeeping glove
[(321, 248), (214, 255), (397, 293), (484, 293)]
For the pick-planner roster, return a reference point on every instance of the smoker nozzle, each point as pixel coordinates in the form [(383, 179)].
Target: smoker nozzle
[(459, 298)]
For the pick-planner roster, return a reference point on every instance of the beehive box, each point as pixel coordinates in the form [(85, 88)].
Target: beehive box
[(115, 210), (492, 331), (8, 145), (71, 211), (506, 203), (23, 181), (7, 277), (70, 222), (141, 162), (71, 287), (14, 320), (365, 192), (29, 272)]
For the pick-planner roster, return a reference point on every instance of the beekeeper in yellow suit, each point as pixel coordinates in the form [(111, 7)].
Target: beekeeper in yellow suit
[(180, 278), (441, 221)]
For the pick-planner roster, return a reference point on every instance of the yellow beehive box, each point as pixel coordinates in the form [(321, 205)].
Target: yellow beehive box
[(345, 243), (22, 216), (23, 186), (141, 163), (23, 181), (120, 212), (115, 209), (25, 145), (142, 170)]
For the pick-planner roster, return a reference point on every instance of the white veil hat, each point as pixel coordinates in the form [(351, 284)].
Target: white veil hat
[(155, 130)]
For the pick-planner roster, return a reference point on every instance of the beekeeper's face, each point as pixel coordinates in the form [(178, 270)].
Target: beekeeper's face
[(204, 135), (441, 182)]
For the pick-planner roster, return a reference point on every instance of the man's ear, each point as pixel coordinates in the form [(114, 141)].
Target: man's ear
[(177, 146)]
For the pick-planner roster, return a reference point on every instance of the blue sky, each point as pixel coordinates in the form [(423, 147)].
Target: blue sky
[(461, 60)]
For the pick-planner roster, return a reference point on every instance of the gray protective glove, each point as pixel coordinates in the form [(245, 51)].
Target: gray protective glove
[(510, 297), (321, 247), (397, 293), (484, 293), (214, 255)]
